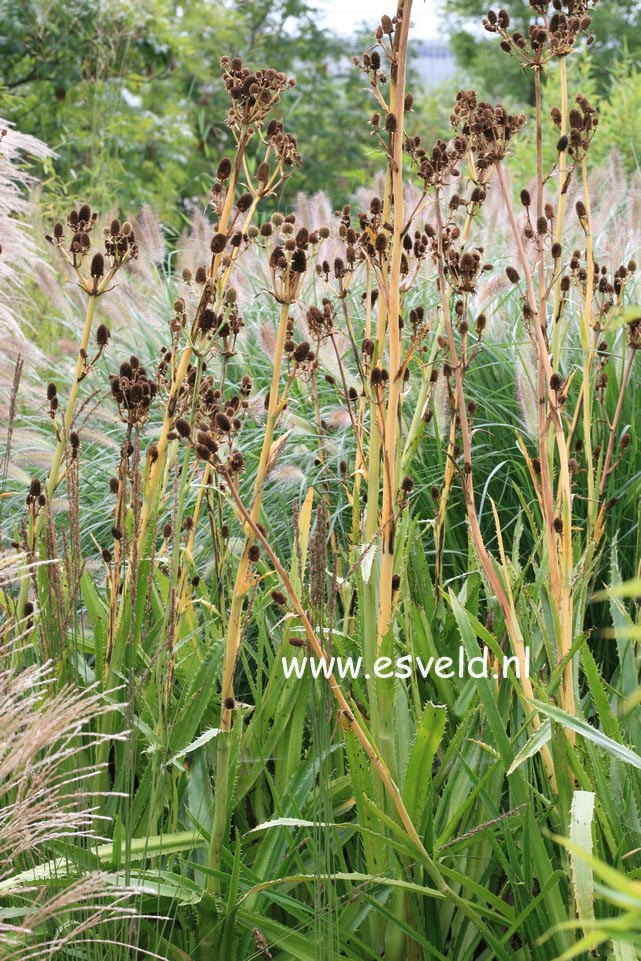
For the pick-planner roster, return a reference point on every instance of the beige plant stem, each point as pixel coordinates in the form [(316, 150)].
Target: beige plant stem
[(156, 469), (607, 463), (507, 608), (37, 526), (560, 573), (392, 414), (588, 352), (232, 642), (560, 212)]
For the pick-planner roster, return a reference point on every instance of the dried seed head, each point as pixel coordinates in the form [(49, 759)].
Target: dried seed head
[(52, 390), (114, 484), (223, 422), (301, 352), (254, 553), (102, 335), (512, 274), (182, 427), (98, 266), (224, 169), (229, 704), (390, 123), (218, 243), (557, 524), (526, 200), (201, 275), (166, 531)]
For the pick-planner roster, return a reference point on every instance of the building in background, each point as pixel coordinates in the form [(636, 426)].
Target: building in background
[(433, 61)]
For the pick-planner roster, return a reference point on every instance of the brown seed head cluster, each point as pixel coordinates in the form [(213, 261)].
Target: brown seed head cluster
[(252, 93), (133, 390), (489, 129), (583, 123), (554, 33)]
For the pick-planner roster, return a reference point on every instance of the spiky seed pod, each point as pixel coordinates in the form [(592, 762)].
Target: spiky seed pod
[(299, 262), (201, 275), (223, 422), (98, 266), (244, 202), (102, 335), (218, 243), (512, 274), (224, 169), (114, 484), (254, 553), (301, 352), (52, 390), (182, 427)]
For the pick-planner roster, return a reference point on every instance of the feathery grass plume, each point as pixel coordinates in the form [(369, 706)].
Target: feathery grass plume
[(20, 254), (46, 743)]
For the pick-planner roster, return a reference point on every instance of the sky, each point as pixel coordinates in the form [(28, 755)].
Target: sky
[(344, 16)]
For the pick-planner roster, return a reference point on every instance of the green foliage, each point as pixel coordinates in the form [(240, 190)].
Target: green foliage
[(616, 25), (129, 96)]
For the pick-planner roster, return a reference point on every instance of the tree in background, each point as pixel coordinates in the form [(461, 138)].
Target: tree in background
[(616, 24), (130, 97)]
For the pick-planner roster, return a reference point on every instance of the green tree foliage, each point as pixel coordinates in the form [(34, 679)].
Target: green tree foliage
[(130, 95), (616, 25)]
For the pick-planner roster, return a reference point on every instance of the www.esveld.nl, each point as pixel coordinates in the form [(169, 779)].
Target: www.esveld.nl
[(407, 665)]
